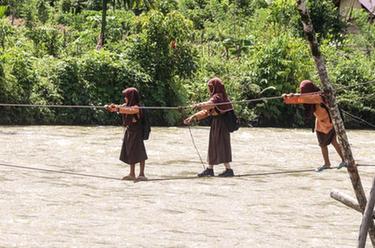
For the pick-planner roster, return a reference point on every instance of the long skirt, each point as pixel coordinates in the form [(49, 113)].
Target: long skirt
[(219, 148), (133, 148), (325, 139)]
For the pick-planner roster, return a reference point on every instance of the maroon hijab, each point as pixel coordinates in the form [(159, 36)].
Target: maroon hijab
[(133, 99), (307, 86), (218, 94), (132, 95)]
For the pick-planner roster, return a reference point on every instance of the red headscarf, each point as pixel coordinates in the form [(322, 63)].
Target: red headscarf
[(133, 99), (218, 94), (307, 86)]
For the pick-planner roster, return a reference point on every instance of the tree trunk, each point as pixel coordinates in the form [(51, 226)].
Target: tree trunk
[(13, 11), (114, 5), (101, 39), (334, 110)]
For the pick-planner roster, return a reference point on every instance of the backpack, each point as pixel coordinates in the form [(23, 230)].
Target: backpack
[(145, 122), (231, 120)]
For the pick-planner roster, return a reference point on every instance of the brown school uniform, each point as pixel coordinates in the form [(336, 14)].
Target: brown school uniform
[(323, 125), (133, 149), (219, 147)]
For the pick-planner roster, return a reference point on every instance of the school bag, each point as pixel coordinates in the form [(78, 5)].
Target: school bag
[(231, 120), (145, 122)]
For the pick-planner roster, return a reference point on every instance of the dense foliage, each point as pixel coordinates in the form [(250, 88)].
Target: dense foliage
[(168, 49)]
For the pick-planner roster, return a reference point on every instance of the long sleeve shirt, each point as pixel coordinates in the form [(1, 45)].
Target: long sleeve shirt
[(323, 122)]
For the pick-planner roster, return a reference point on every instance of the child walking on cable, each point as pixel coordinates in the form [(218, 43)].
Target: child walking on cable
[(314, 105), (133, 149), (219, 147)]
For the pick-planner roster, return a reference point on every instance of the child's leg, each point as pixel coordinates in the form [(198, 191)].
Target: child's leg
[(227, 166), (142, 168), (325, 155), (132, 170), (336, 145), (131, 175)]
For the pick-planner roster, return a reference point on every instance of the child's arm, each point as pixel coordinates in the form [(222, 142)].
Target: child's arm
[(128, 110), (303, 98), (196, 117), (205, 105), (122, 109)]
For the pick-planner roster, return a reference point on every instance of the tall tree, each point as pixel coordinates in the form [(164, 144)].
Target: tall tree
[(101, 39), (42, 11)]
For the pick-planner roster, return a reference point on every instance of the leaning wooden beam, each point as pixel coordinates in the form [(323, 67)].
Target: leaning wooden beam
[(347, 201), (367, 217), (334, 110)]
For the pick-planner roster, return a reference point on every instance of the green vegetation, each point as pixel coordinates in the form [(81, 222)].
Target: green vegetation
[(168, 49)]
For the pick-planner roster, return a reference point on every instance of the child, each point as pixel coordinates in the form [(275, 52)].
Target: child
[(219, 147), (133, 149), (314, 105)]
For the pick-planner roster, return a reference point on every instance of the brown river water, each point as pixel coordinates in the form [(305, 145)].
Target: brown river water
[(48, 209)]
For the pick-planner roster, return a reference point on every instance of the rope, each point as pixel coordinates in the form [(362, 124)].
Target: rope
[(247, 101), (169, 178), (140, 107), (196, 148), (73, 106), (56, 171), (49, 105), (350, 86), (252, 174), (237, 176), (358, 119)]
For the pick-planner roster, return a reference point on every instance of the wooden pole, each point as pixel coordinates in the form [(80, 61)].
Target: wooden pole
[(367, 217), (334, 110), (347, 201)]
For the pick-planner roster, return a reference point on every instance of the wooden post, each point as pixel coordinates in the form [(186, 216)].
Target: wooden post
[(348, 201), (334, 110), (367, 217)]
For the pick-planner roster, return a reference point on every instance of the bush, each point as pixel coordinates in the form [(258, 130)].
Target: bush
[(170, 52)]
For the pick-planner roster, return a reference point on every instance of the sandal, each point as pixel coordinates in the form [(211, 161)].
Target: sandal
[(128, 178), (323, 167), (342, 164), (142, 178)]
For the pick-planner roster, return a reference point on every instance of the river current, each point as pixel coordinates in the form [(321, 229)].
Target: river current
[(42, 208)]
